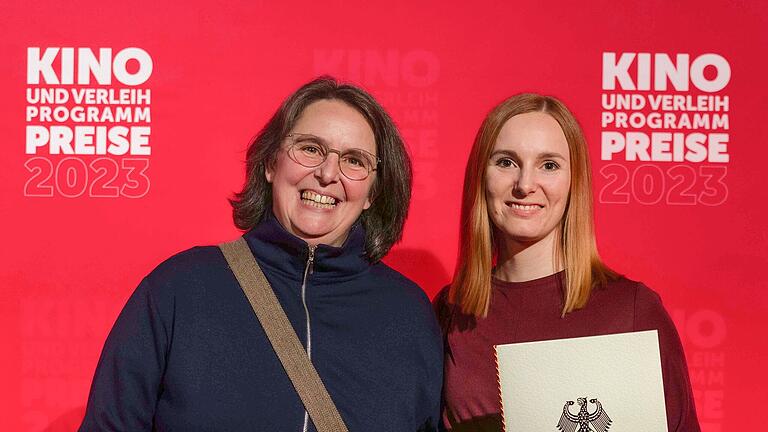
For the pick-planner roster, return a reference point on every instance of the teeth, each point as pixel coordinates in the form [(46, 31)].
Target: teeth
[(525, 207), (324, 200)]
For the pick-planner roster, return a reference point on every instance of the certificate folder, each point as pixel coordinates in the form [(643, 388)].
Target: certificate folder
[(595, 383)]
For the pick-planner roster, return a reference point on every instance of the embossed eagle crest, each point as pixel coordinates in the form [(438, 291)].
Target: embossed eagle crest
[(580, 422)]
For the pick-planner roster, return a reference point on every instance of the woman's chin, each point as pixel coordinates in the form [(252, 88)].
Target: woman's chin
[(525, 238), (317, 234)]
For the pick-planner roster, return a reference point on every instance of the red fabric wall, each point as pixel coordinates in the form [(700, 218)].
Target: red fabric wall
[(80, 230)]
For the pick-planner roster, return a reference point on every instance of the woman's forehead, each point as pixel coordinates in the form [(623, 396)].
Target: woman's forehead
[(337, 124), (531, 133)]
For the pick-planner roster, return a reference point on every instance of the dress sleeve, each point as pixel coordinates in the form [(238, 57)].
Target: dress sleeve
[(127, 381), (651, 315)]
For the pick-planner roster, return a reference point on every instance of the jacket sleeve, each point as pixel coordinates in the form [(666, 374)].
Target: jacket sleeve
[(651, 315), (432, 356), (432, 394), (127, 381), (443, 314)]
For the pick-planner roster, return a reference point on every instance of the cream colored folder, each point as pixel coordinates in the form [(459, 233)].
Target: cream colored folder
[(595, 383)]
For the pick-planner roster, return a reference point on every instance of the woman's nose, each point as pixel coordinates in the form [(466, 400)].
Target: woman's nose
[(525, 184), (328, 171)]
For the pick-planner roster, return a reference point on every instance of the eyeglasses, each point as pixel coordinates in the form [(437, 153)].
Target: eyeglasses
[(311, 151)]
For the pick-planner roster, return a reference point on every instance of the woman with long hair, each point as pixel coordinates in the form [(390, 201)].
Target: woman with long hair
[(528, 267)]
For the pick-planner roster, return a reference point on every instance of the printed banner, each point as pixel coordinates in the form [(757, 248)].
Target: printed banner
[(125, 129)]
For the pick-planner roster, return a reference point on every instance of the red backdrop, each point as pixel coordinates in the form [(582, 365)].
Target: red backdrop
[(679, 203)]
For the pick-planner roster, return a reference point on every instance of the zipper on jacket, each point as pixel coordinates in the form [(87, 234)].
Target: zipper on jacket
[(308, 269)]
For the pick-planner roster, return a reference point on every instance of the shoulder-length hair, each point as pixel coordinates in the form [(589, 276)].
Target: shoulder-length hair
[(391, 192), (575, 249)]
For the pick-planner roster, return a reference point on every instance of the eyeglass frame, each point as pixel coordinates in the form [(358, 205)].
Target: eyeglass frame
[(329, 150)]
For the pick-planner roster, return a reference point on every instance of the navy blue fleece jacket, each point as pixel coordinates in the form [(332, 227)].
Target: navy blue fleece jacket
[(188, 354)]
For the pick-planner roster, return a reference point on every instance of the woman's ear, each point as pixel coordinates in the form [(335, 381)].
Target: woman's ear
[(269, 170), (372, 195)]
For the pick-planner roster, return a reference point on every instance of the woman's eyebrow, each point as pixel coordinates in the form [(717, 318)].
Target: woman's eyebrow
[(513, 154), (504, 152), (551, 155), (311, 137)]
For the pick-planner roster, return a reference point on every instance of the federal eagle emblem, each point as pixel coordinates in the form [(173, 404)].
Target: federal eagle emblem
[(581, 421)]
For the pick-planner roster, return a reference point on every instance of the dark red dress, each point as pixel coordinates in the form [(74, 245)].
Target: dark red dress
[(530, 311)]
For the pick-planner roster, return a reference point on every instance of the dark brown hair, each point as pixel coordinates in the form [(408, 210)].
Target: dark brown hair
[(390, 193)]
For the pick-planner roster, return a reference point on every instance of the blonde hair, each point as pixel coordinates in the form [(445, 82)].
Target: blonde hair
[(576, 248)]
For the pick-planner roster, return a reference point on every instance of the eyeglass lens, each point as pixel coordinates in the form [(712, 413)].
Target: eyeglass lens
[(310, 151)]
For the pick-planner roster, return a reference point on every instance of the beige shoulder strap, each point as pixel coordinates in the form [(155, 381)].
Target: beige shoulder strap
[(283, 337)]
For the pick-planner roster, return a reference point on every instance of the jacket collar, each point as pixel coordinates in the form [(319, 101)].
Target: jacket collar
[(279, 250)]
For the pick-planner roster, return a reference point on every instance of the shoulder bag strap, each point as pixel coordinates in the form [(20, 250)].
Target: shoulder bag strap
[(283, 337)]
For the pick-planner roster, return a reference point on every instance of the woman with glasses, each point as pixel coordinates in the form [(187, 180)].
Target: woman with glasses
[(328, 183), (528, 267)]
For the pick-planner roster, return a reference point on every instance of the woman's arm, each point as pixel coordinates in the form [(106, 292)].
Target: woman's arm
[(126, 385)]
